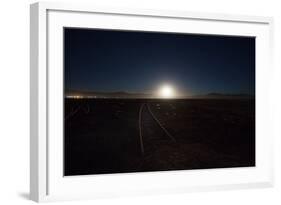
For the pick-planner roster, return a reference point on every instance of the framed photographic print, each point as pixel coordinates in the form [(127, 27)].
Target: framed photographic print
[(128, 102)]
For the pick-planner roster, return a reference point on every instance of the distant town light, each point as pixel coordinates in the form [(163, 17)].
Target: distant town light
[(74, 96)]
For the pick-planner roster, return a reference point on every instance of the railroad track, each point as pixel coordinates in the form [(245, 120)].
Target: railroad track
[(146, 117), (159, 124)]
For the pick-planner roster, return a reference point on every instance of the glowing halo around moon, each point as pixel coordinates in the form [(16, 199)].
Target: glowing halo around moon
[(166, 91)]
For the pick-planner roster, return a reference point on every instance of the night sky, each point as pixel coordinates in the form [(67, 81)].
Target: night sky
[(110, 60)]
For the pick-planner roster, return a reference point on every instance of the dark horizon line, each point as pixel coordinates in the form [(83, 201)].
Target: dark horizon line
[(160, 98), (83, 92)]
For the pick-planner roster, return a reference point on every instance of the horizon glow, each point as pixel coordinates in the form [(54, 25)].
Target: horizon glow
[(166, 91)]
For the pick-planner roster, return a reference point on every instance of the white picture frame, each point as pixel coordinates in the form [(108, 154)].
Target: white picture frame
[(47, 182)]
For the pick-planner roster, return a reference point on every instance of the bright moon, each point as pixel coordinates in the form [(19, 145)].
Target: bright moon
[(166, 91)]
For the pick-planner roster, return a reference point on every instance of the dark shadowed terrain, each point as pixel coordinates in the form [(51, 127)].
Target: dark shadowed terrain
[(103, 135)]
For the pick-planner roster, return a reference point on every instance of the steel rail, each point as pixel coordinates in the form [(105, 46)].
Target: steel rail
[(160, 124), (140, 128)]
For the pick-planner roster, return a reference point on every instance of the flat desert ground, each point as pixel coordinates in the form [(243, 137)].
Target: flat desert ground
[(138, 135)]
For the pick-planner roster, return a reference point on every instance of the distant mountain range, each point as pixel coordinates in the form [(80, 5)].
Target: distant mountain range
[(121, 94), (224, 95), (94, 94)]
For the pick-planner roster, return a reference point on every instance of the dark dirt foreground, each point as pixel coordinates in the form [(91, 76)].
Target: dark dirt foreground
[(102, 135)]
